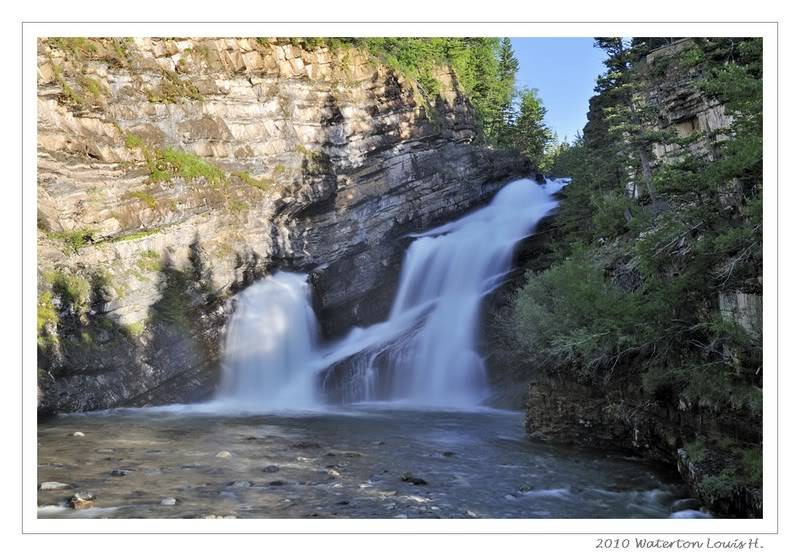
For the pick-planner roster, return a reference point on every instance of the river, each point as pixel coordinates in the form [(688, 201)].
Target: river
[(337, 464)]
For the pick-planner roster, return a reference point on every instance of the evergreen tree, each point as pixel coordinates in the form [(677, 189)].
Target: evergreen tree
[(530, 133), (508, 65), (630, 120)]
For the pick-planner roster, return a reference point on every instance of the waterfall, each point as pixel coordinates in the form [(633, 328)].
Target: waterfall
[(424, 354), (270, 346)]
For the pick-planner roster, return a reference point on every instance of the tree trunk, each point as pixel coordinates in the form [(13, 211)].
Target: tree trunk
[(647, 173)]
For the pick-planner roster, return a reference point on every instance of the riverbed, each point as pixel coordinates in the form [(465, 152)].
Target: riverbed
[(366, 461)]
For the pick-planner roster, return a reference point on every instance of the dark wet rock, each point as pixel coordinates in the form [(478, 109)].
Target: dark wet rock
[(343, 503), (53, 485), (685, 504), (120, 472), (82, 501), (306, 445), (344, 454), (409, 478), (448, 454), (271, 469), (276, 483), (378, 443), (525, 488)]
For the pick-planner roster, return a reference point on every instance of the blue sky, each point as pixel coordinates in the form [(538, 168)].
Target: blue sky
[(564, 72)]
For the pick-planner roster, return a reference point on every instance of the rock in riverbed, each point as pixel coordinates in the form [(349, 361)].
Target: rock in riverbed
[(168, 502), (306, 445), (271, 469), (53, 485), (223, 454), (120, 472), (409, 478), (78, 434), (82, 500)]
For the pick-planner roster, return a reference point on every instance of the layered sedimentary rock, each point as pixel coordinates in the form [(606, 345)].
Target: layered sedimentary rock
[(172, 173)]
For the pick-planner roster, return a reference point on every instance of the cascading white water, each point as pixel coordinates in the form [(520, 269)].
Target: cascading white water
[(427, 347), (270, 346), (446, 273)]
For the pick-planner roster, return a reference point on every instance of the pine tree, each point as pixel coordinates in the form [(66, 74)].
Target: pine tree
[(507, 70), (530, 134), (631, 122)]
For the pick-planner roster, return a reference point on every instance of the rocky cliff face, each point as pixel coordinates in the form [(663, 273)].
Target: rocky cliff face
[(172, 173)]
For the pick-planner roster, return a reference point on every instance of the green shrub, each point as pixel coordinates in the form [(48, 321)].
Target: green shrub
[(173, 89), (720, 486), (46, 315), (136, 328), (168, 163), (262, 184), (73, 289), (144, 197), (149, 261), (74, 240), (133, 141), (609, 213), (751, 465), (696, 450), (572, 313)]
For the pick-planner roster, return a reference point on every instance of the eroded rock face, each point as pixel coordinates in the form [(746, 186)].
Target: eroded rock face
[(173, 173)]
